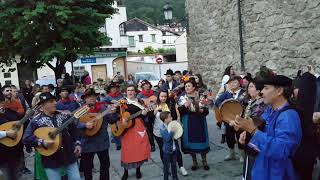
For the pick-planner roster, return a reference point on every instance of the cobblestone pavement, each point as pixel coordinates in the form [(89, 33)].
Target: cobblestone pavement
[(152, 170)]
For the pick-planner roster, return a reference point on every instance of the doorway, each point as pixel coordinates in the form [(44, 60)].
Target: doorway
[(99, 72)]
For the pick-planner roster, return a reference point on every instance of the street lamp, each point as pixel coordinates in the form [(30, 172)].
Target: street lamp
[(167, 10)]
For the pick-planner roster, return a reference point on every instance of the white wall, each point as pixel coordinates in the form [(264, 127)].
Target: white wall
[(147, 39), (181, 48), (112, 27)]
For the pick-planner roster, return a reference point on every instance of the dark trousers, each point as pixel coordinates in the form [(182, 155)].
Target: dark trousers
[(87, 159), (305, 171), (247, 166), (9, 168), (179, 155), (149, 125), (232, 137), (170, 159)]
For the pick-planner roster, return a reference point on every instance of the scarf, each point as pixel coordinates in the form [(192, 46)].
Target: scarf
[(114, 95), (96, 108), (147, 94), (134, 102)]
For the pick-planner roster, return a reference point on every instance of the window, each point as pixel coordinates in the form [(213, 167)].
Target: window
[(140, 38), (163, 33), (7, 75), (122, 29), (8, 82), (153, 37), (131, 41), (163, 41)]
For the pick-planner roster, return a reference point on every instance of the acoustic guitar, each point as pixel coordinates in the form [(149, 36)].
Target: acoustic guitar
[(16, 126), (54, 134), (127, 119), (97, 118)]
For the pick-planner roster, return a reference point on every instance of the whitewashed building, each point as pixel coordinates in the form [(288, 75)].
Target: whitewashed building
[(181, 48), (141, 34)]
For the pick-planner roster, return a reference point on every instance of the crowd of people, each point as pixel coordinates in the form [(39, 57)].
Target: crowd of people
[(285, 145)]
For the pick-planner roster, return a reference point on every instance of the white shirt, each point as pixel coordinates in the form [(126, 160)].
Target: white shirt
[(170, 85), (157, 125), (236, 96), (3, 134), (225, 79)]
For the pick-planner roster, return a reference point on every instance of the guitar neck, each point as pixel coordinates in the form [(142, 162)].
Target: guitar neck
[(27, 116), (64, 126)]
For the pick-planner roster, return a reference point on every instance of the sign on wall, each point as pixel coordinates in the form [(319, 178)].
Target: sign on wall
[(88, 60)]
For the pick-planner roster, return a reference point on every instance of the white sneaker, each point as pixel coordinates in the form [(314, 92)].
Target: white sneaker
[(183, 171)]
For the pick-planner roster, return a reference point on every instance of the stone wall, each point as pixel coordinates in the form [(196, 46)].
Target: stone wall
[(278, 33)]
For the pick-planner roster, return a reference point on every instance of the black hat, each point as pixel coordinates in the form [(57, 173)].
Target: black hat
[(44, 97), (89, 92), (112, 85), (277, 80), (169, 72), (146, 82), (232, 78)]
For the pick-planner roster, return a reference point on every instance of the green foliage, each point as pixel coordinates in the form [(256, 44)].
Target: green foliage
[(151, 10), (166, 51), (149, 50), (39, 30)]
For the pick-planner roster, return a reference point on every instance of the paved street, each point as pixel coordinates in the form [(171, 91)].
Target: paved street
[(152, 170)]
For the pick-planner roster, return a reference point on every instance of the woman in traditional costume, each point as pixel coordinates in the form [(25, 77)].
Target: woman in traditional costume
[(193, 113), (135, 143)]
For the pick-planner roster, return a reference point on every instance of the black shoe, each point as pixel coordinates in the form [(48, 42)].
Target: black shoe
[(194, 167), (223, 139), (138, 175), (125, 175), (153, 148), (206, 167), (118, 148), (26, 171)]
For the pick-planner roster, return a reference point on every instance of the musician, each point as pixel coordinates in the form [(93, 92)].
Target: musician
[(70, 148), (135, 144), (149, 119), (9, 156), (99, 143), (234, 92), (114, 94), (170, 83), (195, 138), (257, 107), (280, 138), (164, 104), (66, 103)]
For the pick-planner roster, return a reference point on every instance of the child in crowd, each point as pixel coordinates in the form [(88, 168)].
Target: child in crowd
[(169, 148)]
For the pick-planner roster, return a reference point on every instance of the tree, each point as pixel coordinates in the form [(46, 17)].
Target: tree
[(39, 31)]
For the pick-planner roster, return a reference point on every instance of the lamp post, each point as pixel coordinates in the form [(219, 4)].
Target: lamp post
[(167, 10)]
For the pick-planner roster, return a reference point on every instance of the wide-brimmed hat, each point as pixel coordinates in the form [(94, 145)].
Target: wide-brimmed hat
[(89, 92), (45, 97), (113, 85), (146, 82), (278, 80), (169, 72)]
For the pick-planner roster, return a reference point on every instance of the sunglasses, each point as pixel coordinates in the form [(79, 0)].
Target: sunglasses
[(8, 90)]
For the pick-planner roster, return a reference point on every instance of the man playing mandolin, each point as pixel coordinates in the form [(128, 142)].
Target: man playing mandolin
[(70, 148), (10, 156), (99, 142)]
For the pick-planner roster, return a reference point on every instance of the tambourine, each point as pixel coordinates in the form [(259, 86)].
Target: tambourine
[(229, 109), (178, 129)]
